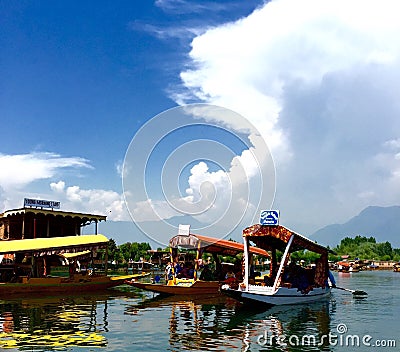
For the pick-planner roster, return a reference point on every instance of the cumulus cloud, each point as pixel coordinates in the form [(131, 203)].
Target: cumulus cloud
[(319, 79), (97, 201), (17, 172)]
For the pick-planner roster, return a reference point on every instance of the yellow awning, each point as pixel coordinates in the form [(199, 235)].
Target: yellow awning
[(75, 254), (79, 243)]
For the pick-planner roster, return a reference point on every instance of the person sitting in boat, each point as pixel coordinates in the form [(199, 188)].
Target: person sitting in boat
[(168, 271), (296, 276), (187, 272), (177, 268), (237, 268), (331, 278), (207, 274)]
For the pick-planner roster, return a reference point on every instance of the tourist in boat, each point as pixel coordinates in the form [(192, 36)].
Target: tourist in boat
[(238, 270), (177, 268), (296, 276), (168, 271), (207, 274), (187, 272)]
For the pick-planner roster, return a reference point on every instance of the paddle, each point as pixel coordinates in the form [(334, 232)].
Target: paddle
[(354, 292)]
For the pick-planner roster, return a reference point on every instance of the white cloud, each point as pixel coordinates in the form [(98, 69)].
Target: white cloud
[(57, 187), (319, 79), (95, 201), (19, 172), (16, 171)]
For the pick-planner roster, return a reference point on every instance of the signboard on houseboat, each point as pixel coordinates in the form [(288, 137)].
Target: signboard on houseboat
[(40, 203)]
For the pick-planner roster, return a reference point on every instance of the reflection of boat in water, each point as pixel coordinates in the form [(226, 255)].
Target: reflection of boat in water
[(288, 284), (219, 323), (191, 323), (29, 250), (195, 285), (284, 327), (55, 323)]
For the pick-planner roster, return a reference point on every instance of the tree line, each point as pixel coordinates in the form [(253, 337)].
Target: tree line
[(128, 251), (361, 247), (367, 248)]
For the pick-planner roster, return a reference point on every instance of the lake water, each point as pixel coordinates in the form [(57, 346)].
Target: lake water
[(126, 319)]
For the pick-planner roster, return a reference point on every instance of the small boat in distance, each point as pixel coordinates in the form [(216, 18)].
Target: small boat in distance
[(396, 267), (286, 284), (206, 283)]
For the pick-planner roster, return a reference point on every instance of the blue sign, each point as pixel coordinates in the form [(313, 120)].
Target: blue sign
[(40, 203), (269, 217)]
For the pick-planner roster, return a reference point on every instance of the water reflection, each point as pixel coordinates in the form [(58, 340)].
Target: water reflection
[(54, 323), (219, 324)]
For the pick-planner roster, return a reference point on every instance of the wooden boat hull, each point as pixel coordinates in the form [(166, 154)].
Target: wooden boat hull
[(282, 296), (62, 285), (199, 287)]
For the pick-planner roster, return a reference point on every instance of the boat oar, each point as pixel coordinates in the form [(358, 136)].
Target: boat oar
[(354, 292)]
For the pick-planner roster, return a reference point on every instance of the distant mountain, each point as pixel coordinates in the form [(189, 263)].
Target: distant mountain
[(383, 223)]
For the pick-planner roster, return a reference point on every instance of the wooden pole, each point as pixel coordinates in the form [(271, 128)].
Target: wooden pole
[(283, 262), (246, 262)]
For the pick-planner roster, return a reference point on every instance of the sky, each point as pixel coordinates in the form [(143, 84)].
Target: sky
[(317, 82)]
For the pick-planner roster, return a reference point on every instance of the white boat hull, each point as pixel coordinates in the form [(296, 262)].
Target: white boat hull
[(282, 296)]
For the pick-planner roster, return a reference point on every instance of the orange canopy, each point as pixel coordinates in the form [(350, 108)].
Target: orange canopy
[(212, 245)]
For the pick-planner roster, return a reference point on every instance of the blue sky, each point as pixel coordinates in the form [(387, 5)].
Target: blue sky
[(318, 79)]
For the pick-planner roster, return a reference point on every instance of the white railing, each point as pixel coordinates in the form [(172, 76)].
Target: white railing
[(261, 289)]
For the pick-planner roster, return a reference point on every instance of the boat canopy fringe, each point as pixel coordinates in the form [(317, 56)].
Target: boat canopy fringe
[(212, 245), (277, 237), (54, 245)]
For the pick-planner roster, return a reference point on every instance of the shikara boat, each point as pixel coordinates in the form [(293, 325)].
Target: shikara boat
[(196, 285), (286, 284)]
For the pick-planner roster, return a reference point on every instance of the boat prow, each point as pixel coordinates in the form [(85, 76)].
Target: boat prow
[(183, 287), (281, 296)]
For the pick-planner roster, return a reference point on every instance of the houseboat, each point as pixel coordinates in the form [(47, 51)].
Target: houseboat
[(35, 239)]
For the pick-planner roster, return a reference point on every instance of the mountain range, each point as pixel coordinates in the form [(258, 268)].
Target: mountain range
[(379, 222), (383, 223)]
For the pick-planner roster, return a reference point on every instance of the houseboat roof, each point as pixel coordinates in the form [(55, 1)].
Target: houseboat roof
[(54, 244), (82, 216), (212, 245), (269, 237)]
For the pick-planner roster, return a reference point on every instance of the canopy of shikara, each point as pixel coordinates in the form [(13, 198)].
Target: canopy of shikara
[(277, 237), (212, 245), (54, 245)]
